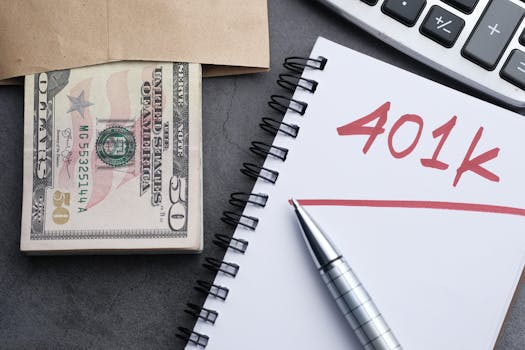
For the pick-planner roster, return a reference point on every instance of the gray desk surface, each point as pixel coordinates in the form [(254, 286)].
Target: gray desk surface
[(137, 302)]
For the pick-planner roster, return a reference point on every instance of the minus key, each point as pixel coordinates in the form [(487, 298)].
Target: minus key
[(514, 69)]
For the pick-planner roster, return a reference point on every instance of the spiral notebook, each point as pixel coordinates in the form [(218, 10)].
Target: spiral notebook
[(420, 186)]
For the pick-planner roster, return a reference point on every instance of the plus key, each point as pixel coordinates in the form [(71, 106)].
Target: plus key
[(494, 29), (493, 32)]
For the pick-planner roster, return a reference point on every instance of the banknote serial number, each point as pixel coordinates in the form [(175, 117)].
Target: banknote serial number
[(83, 167)]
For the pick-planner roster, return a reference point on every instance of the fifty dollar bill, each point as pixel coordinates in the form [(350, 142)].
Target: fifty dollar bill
[(113, 159)]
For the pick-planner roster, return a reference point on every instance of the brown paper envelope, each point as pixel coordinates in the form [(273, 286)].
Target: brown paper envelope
[(38, 35)]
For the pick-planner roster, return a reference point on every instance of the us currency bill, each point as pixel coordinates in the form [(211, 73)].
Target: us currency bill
[(113, 159)]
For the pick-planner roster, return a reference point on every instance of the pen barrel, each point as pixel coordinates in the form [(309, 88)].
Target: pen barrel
[(358, 308)]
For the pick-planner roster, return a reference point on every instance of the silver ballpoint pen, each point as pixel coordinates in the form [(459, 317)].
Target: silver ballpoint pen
[(350, 295)]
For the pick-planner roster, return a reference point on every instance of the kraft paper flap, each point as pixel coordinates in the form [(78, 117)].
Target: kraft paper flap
[(38, 36)]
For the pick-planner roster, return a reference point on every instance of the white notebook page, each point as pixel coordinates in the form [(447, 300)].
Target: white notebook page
[(443, 277)]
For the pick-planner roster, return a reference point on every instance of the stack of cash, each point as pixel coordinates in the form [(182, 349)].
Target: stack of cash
[(113, 159)]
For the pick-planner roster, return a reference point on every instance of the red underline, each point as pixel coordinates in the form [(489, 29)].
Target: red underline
[(483, 208)]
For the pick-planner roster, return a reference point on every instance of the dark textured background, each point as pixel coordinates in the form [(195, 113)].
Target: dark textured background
[(137, 302)]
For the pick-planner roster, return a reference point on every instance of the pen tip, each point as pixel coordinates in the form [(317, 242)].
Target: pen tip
[(294, 203)]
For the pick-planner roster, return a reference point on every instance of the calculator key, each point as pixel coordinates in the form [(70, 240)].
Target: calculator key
[(493, 33), (465, 6), (442, 26), (370, 2), (522, 38), (405, 11), (514, 69)]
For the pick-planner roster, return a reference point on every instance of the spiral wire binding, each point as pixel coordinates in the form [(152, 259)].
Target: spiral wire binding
[(204, 314), (291, 82), (225, 267), (227, 242), (232, 218), (274, 126), (263, 149), (255, 171), (298, 64), (209, 288), (282, 103), (193, 337), (240, 200)]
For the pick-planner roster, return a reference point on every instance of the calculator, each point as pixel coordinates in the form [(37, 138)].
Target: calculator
[(478, 42)]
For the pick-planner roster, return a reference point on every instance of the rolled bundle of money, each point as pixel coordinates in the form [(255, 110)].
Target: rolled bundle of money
[(113, 159)]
